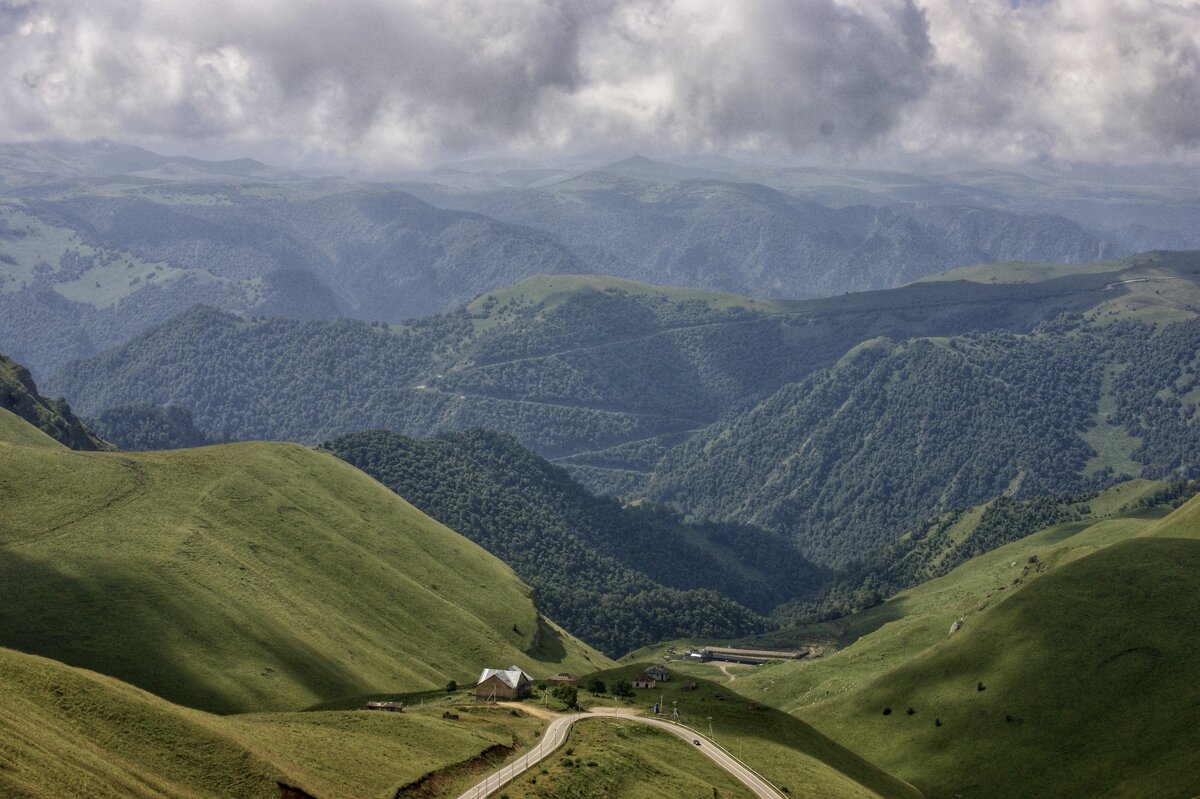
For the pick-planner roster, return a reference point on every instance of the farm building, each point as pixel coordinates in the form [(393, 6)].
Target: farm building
[(563, 678), (659, 673), (644, 681), (391, 707), (510, 683)]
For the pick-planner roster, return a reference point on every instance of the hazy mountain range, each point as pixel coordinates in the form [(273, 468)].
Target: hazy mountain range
[(99, 241)]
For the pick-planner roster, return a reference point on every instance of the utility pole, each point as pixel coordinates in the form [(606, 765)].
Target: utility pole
[(710, 733)]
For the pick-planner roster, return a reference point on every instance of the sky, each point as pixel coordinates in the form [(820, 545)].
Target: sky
[(402, 83)]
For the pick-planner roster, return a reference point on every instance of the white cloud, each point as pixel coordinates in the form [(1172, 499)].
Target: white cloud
[(390, 82)]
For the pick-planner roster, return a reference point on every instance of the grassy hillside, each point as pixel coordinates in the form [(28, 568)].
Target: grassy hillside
[(1090, 688), (940, 543), (19, 395), (72, 732), (1080, 636), (786, 751), (15, 430), (626, 760), (251, 577)]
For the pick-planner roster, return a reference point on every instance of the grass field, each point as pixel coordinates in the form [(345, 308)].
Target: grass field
[(70, 732), (15, 430), (785, 750), (1083, 638), (625, 760), (1089, 688), (251, 577)]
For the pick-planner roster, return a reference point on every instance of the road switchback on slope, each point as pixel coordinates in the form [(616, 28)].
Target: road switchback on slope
[(556, 734)]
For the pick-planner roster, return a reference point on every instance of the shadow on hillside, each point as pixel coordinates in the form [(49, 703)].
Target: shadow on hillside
[(149, 637)]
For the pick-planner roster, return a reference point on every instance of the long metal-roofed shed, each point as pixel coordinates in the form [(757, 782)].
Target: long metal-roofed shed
[(510, 683)]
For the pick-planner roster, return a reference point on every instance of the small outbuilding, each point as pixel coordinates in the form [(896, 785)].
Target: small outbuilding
[(644, 681), (510, 683), (563, 678), (390, 707), (659, 673)]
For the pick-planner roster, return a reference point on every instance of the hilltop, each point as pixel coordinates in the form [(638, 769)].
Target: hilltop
[(251, 577)]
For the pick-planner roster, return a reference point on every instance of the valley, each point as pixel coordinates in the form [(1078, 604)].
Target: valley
[(596, 476)]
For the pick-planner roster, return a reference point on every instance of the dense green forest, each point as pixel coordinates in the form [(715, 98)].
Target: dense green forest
[(849, 458), (838, 423), (574, 367), (618, 577), (146, 427)]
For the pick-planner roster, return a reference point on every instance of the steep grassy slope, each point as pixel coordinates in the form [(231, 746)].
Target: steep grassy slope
[(19, 394), (942, 542), (15, 430), (618, 577), (878, 639), (1081, 639), (251, 576), (71, 732), (1089, 687)]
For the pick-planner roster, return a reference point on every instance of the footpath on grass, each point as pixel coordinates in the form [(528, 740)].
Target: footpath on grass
[(556, 735)]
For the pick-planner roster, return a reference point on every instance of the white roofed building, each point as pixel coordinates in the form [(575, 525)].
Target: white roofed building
[(510, 683)]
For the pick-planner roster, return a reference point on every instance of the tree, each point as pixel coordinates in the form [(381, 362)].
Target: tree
[(567, 694), (451, 686), (623, 688), (596, 686)]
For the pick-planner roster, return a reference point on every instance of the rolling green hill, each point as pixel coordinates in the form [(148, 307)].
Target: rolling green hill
[(71, 732), (940, 543), (251, 577), (618, 577), (1089, 681), (1081, 639)]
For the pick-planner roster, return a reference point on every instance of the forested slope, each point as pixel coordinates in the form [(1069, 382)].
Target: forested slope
[(838, 423), (617, 577)]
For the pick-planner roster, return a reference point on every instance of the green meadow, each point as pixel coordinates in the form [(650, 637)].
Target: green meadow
[(251, 577), (70, 732), (785, 750)]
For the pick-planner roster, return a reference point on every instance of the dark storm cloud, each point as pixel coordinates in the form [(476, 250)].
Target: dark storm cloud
[(397, 81)]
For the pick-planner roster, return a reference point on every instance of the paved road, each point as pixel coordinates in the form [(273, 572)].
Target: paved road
[(556, 734)]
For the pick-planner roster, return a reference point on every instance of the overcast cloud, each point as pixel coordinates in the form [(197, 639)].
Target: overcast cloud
[(399, 82)]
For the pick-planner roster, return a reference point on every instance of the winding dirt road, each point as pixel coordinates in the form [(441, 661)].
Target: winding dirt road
[(556, 735)]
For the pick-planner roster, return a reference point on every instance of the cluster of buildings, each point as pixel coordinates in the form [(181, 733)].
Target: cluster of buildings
[(751, 657), (514, 683)]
